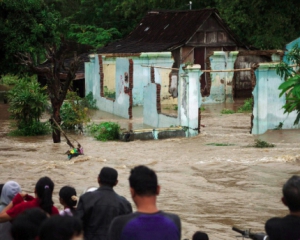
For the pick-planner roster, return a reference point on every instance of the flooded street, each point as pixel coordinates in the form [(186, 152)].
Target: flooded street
[(210, 187)]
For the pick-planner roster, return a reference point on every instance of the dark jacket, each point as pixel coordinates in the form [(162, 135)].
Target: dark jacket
[(97, 210)]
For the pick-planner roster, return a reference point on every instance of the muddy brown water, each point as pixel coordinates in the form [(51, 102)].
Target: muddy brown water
[(210, 187)]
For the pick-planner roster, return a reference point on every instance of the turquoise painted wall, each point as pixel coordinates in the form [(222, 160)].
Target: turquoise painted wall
[(221, 82), (189, 101), (118, 107), (267, 110)]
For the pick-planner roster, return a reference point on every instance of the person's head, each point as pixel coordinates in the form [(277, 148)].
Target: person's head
[(68, 197), (108, 177), (9, 190), (291, 193), (26, 225), (200, 236), (44, 189), (61, 228), (143, 181)]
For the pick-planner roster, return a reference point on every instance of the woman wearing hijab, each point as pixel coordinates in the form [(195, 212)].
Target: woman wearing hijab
[(9, 191), (43, 199)]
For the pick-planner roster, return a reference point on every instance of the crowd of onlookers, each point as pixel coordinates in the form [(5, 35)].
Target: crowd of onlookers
[(100, 213)]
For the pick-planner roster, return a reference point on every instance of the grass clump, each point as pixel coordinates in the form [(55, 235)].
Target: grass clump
[(247, 107), (227, 111), (220, 144), (262, 144), (104, 131), (202, 108)]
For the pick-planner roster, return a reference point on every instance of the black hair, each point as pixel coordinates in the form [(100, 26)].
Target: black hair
[(108, 176), (44, 188), (200, 236), (26, 225), (60, 228), (68, 194), (1, 186), (291, 193), (143, 180)]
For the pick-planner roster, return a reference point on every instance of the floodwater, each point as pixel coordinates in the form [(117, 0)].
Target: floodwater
[(210, 187)]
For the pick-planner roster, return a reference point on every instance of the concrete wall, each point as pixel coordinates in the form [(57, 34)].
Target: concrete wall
[(142, 75), (109, 70), (221, 82), (267, 110), (121, 105), (189, 102)]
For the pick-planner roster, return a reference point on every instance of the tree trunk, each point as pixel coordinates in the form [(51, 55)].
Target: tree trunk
[(56, 116)]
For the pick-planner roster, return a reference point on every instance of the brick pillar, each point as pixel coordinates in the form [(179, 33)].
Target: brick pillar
[(101, 75), (130, 88), (158, 105), (152, 75)]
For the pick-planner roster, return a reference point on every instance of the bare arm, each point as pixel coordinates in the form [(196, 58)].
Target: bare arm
[(4, 217)]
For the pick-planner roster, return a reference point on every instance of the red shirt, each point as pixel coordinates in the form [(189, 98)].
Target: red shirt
[(19, 206)]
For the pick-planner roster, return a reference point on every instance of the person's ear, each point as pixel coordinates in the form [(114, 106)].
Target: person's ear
[(116, 182), (283, 201), (157, 190), (98, 180), (132, 192)]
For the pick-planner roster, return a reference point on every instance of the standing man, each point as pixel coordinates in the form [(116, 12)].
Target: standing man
[(288, 227), (97, 209), (148, 222)]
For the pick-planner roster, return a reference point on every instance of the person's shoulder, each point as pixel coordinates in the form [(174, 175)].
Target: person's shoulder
[(273, 224), (171, 215), (55, 211), (124, 218), (121, 198)]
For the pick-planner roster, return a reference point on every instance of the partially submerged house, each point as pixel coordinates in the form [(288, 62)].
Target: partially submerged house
[(191, 36)]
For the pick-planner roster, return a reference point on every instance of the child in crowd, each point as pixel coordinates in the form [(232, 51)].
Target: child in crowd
[(26, 225), (68, 198), (61, 227)]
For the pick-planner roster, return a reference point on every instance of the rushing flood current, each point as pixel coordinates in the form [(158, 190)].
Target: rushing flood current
[(210, 187)]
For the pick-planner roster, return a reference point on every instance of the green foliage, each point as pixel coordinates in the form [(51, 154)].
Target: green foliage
[(33, 129), (9, 80), (89, 101), (92, 35), (291, 86), (175, 107), (247, 107), (220, 144), (26, 26), (72, 113), (261, 24), (109, 94), (263, 144), (227, 111), (27, 103), (104, 131), (202, 108)]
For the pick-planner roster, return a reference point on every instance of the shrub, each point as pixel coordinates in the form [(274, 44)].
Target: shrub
[(89, 101), (72, 113), (28, 101), (227, 111), (262, 144), (104, 131), (247, 107), (33, 129)]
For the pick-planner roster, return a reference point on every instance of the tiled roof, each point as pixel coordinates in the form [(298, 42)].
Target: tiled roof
[(163, 31)]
